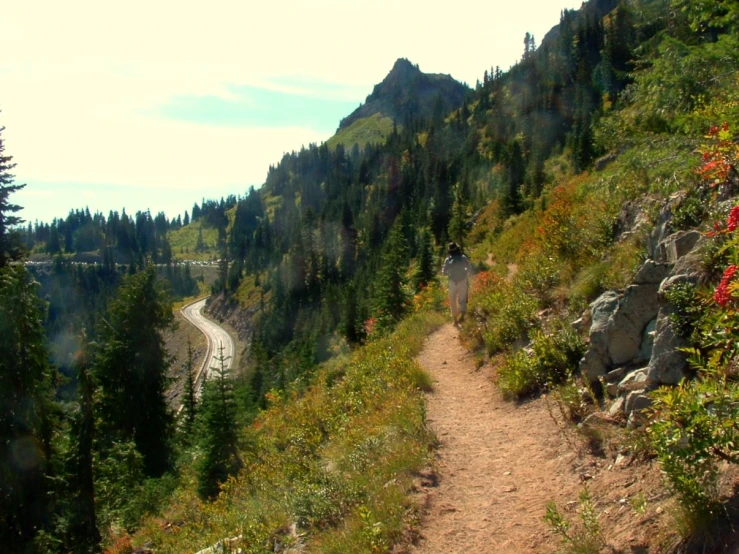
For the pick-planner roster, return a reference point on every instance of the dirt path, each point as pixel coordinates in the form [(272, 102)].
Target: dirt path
[(498, 464)]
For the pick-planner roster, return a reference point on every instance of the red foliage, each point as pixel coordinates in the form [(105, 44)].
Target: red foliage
[(722, 296)]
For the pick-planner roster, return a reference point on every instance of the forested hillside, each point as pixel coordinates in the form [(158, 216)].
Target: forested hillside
[(620, 121)]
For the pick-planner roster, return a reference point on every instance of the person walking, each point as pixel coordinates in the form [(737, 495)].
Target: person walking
[(458, 268)]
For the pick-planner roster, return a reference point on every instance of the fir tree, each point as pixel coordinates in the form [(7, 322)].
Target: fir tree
[(219, 441), (391, 299), (131, 367), (426, 270), (26, 409), (9, 245)]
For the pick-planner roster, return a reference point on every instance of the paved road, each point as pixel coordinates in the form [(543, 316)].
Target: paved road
[(217, 337)]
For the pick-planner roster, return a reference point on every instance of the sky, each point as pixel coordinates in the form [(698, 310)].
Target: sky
[(158, 104)]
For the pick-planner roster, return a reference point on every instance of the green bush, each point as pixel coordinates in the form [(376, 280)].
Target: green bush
[(551, 359), (696, 427), (508, 312)]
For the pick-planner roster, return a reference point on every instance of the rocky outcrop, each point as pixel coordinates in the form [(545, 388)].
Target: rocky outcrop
[(633, 346)]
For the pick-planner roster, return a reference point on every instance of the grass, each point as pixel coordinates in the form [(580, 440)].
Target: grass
[(335, 462), (184, 240), (363, 131)]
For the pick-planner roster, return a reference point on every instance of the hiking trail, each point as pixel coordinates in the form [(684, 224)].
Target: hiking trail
[(499, 463)]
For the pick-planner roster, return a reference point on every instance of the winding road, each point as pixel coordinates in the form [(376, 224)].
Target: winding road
[(217, 336)]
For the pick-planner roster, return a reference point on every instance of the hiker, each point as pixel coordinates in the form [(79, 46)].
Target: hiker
[(459, 269)]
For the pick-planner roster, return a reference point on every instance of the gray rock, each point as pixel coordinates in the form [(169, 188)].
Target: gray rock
[(616, 407), (595, 362), (612, 389), (677, 245), (635, 380), (651, 273), (647, 342), (636, 309), (690, 264), (637, 401), (616, 375), (667, 365)]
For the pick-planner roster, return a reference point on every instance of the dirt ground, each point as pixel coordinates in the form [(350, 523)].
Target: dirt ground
[(176, 344), (499, 463)]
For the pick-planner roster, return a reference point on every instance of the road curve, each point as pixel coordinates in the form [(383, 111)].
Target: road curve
[(217, 337)]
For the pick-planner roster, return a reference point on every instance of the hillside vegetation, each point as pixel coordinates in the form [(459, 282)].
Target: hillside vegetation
[(572, 168)]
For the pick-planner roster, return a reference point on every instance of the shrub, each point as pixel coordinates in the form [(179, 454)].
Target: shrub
[(587, 537), (552, 358)]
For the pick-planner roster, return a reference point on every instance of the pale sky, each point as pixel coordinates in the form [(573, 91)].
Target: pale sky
[(157, 104)]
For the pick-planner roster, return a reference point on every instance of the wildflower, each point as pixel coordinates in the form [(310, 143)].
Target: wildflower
[(733, 220), (722, 296)]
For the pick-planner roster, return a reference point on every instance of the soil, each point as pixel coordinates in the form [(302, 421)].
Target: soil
[(176, 344), (499, 464)]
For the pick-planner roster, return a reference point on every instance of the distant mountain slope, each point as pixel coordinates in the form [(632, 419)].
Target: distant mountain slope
[(404, 95)]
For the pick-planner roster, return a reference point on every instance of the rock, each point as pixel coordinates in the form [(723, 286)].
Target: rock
[(635, 380), (647, 342), (636, 309), (637, 401), (616, 375), (689, 266), (651, 273), (667, 365), (603, 161), (596, 362), (616, 407), (675, 246)]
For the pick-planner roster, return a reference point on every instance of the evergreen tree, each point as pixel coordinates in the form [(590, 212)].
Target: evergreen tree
[(82, 530), (426, 270), (391, 299), (26, 409), (131, 367), (219, 441), (10, 248)]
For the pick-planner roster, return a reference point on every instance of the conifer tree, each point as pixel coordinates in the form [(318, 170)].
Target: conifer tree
[(218, 411), (83, 531), (426, 270), (391, 299), (131, 367), (9, 246), (26, 409)]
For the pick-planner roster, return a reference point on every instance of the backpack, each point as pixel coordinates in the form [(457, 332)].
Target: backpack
[(458, 269)]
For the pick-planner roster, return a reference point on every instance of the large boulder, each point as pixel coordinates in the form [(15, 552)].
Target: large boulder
[(636, 309), (596, 362)]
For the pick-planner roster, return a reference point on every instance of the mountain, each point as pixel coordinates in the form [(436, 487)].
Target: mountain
[(404, 95)]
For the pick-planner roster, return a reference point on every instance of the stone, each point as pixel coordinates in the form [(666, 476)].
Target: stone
[(651, 273), (677, 245), (617, 407), (637, 401), (616, 375), (595, 362), (668, 365), (612, 390), (635, 380), (637, 307), (647, 342)]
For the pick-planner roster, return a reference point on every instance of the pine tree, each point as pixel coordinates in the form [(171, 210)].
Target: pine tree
[(10, 248), (131, 367), (26, 409), (391, 299), (83, 530), (219, 441), (426, 270)]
